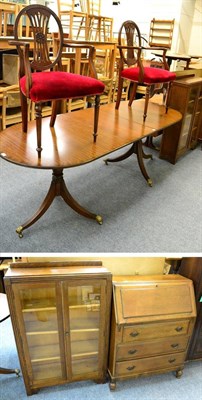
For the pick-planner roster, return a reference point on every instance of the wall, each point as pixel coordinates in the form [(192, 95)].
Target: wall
[(195, 42), (117, 265)]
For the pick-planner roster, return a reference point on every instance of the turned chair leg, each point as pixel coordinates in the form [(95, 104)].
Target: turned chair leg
[(146, 103), (38, 114), (119, 93), (133, 93), (54, 112), (167, 99), (24, 110), (96, 116)]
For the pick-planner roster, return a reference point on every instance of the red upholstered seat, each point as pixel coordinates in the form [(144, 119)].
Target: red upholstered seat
[(50, 85), (151, 75)]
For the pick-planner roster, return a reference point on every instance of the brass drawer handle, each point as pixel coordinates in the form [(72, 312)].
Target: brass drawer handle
[(131, 368), (132, 351), (172, 360), (134, 334), (179, 328), (175, 345)]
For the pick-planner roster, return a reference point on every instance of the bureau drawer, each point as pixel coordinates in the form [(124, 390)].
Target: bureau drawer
[(134, 367), (150, 348), (140, 332)]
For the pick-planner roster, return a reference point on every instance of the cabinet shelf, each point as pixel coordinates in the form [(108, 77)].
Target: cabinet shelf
[(84, 330), (84, 355), (39, 360), (41, 333), (27, 310)]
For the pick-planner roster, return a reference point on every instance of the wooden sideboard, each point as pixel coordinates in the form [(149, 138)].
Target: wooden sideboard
[(60, 314), (152, 322), (191, 267), (186, 97)]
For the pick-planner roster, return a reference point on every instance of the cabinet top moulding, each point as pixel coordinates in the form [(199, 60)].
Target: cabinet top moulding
[(34, 271)]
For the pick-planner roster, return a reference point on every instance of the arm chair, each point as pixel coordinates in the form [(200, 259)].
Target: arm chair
[(155, 80), (41, 78)]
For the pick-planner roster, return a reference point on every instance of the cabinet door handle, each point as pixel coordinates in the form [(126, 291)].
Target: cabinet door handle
[(175, 345), (132, 351), (66, 333), (172, 360), (134, 334), (179, 328), (131, 368)]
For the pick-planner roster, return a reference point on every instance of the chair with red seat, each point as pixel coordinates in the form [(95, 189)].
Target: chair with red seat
[(41, 77), (131, 67)]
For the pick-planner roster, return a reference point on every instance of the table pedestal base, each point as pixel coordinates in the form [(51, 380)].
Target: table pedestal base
[(136, 148), (57, 188)]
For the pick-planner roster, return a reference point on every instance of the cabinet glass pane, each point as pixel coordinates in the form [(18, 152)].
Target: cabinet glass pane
[(41, 327), (84, 320)]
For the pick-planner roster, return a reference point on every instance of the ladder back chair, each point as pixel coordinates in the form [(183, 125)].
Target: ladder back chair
[(41, 78), (100, 27), (74, 18), (155, 80)]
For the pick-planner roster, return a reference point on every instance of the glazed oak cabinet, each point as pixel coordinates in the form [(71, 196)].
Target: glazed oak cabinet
[(191, 267), (60, 317), (152, 321), (186, 97)]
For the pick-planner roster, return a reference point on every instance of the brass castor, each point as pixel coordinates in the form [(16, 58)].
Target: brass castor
[(19, 231), (150, 183), (112, 385), (99, 219), (179, 374), (17, 371)]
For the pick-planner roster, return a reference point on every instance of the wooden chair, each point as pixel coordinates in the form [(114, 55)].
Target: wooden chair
[(10, 106), (74, 21), (4, 314), (7, 10), (100, 27), (41, 77), (156, 80)]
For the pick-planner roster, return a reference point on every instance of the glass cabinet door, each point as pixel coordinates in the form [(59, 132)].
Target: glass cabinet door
[(40, 327), (83, 302)]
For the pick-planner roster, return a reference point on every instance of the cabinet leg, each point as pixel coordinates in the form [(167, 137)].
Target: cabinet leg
[(179, 373)]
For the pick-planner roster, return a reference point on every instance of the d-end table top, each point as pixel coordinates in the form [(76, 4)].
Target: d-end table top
[(70, 142)]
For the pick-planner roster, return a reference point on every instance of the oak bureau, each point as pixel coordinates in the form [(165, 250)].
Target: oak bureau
[(152, 322)]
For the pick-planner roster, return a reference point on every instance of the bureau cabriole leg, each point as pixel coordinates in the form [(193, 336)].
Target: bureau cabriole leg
[(179, 373)]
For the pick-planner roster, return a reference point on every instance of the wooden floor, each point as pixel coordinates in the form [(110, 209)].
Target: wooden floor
[(70, 142)]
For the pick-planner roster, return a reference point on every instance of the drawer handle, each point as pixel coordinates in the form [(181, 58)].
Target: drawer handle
[(131, 368), (172, 360), (179, 328), (134, 334), (175, 345), (132, 351)]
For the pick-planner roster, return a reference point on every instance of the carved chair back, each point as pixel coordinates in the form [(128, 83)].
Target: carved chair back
[(42, 22)]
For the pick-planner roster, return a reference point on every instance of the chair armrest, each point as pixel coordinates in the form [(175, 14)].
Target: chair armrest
[(23, 49), (163, 55), (91, 54)]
